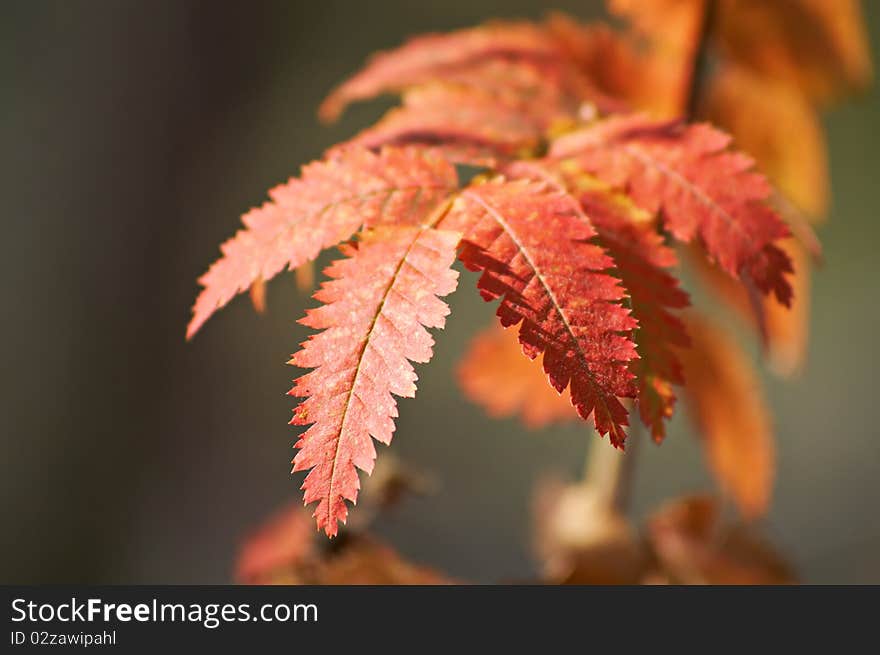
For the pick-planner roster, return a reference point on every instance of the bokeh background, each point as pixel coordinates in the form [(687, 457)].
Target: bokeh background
[(133, 136)]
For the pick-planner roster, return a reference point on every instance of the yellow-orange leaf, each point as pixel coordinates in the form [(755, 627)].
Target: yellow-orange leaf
[(670, 35), (773, 122), (667, 21), (495, 375), (819, 45), (723, 395)]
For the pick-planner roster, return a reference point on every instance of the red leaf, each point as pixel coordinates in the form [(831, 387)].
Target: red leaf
[(530, 241), (769, 270), (701, 189), (377, 306), (641, 259), (327, 204)]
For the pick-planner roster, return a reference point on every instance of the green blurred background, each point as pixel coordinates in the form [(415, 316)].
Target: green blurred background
[(134, 135)]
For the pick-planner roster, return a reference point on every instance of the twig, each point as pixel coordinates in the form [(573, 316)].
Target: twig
[(609, 471), (700, 63)]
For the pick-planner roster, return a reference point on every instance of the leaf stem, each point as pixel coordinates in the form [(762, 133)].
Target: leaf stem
[(700, 63), (609, 471)]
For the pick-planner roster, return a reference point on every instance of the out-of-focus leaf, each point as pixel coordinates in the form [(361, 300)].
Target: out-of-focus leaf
[(470, 125), (773, 122), (693, 546), (447, 57), (305, 276), (366, 561), (784, 331), (284, 551), (723, 394), (818, 45), (496, 375), (283, 543), (258, 295), (669, 35)]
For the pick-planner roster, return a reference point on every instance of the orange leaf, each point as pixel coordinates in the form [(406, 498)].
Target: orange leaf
[(610, 59), (724, 397), (772, 121), (818, 45), (668, 21), (788, 328), (496, 375), (669, 35)]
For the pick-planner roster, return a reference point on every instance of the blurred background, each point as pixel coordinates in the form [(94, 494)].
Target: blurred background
[(134, 135)]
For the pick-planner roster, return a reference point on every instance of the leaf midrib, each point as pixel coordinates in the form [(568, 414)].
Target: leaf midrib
[(598, 393), (367, 341)]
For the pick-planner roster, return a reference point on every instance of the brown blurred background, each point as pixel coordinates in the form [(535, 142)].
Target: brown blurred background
[(134, 134)]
